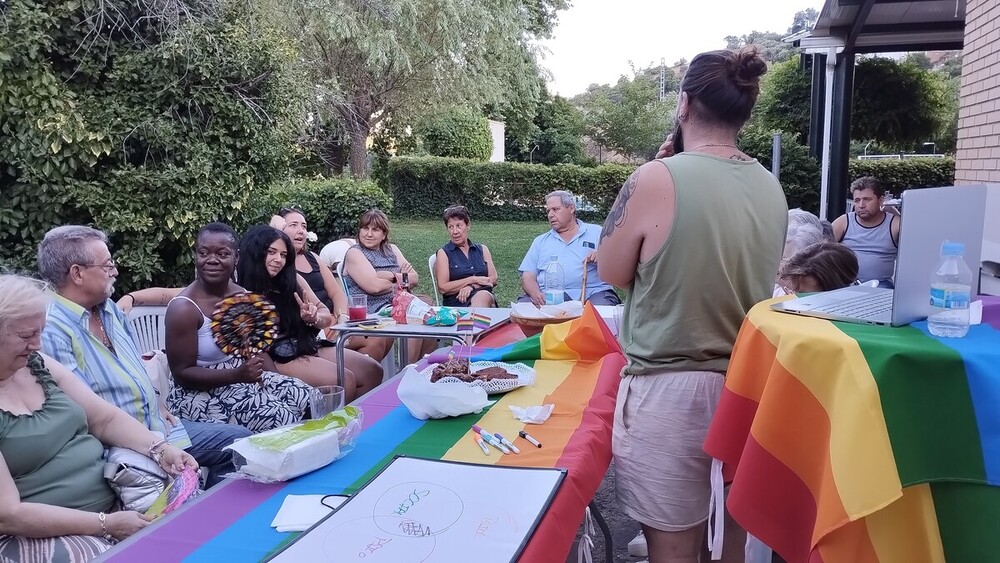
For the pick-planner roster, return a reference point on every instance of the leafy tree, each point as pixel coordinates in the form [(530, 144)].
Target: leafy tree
[(951, 64), (457, 133), (146, 119), (895, 104), (772, 46), (784, 100), (372, 59), (918, 60), (558, 128), (562, 128), (799, 173), (803, 20), (898, 104), (630, 118)]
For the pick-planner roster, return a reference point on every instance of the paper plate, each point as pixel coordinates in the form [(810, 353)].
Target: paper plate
[(525, 376)]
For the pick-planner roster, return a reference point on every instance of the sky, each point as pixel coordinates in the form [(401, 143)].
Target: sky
[(595, 39)]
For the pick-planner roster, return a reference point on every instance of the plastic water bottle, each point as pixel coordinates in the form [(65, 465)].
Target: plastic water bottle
[(554, 282), (951, 291)]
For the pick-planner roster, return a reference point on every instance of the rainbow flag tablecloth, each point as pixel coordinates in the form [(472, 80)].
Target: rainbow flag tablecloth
[(858, 443), (577, 364)]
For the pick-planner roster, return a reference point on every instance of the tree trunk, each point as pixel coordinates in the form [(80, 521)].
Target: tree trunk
[(357, 161)]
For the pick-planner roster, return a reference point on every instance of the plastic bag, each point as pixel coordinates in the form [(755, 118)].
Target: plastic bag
[(409, 309), (431, 400), (296, 449), (443, 316)]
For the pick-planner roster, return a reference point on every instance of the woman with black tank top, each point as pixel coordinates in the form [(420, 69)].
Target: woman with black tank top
[(319, 278)]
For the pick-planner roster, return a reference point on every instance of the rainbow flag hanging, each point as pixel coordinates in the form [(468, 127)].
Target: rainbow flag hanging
[(465, 323), (578, 367), (848, 442)]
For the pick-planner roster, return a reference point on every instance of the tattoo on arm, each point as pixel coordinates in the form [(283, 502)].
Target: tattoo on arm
[(617, 216)]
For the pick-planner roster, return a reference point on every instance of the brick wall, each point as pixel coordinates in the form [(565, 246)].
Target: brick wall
[(978, 156)]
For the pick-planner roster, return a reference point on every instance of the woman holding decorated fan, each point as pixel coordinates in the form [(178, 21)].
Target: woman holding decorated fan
[(216, 386), (267, 266)]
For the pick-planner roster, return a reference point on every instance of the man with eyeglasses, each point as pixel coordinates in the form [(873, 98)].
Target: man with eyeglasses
[(86, 332)]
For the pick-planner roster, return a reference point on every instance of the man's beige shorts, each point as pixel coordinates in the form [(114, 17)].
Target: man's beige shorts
[(661, 470)]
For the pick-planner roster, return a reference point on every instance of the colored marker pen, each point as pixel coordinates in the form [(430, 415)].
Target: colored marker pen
[(528, 437), (494, 442), (482, 446), (507, 443)]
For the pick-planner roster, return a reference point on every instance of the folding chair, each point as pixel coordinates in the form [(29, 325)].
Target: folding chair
[(431, 263)]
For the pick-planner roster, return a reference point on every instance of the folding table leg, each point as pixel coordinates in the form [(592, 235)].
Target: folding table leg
[(609, 548)]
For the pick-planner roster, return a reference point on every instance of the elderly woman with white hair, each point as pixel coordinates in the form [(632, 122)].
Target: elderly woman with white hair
[(804, 230), (54, 502)]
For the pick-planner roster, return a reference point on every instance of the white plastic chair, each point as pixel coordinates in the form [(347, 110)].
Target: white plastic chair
[(148, 327), (340, 276), (333, 253), (431, 263)]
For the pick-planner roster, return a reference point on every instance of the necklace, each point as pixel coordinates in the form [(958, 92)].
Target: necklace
[(104, 335), (715, 145)]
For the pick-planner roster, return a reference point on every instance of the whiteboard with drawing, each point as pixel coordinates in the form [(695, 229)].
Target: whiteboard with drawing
[(423, 510)]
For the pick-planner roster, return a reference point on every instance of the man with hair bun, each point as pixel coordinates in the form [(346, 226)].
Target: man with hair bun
[(696, 237)]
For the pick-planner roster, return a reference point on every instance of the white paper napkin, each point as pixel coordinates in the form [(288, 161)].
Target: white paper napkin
[(533, 415), (975, 312), (299, 512)]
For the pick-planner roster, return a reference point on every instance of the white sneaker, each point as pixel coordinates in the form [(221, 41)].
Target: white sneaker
[(637, 547)]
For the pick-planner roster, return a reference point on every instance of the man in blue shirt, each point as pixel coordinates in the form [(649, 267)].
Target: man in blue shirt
[(575, 244), (86, 332)]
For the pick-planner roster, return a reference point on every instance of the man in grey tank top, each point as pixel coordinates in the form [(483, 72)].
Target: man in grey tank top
[(870, 232)]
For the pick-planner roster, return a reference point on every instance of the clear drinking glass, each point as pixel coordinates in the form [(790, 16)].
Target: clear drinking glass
[(325, 399), (358, 308), (618, 312)]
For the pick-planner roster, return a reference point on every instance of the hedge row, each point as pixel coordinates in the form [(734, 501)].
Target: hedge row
[(422, 187), (499, 191), (331, 206), (898, 175)]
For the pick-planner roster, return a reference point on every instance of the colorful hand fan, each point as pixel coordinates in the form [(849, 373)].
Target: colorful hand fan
[(244, 325), (183, 488)]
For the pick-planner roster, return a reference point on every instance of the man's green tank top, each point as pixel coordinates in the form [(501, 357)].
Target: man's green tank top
[(50, 452), (687, 303)]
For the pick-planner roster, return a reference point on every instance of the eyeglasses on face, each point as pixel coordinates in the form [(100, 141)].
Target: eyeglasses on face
[(108, 267)]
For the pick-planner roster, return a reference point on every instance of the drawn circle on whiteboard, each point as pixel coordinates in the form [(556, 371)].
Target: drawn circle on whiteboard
[(359, 539), (426, 508)]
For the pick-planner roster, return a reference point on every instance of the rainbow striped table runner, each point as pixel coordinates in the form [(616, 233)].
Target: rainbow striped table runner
[(578, 365)]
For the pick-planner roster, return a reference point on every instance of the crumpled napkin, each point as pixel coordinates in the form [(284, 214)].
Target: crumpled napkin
[(533, 415), (299, 512), (975, 312)]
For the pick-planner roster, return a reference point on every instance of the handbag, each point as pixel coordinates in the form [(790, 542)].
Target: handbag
[(135, 478)]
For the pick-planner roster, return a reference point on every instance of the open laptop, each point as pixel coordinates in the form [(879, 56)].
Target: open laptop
[(930, 216)]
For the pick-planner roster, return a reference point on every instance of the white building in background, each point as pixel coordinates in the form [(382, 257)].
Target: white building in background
[(497, 132)]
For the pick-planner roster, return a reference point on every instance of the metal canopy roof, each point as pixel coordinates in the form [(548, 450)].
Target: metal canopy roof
[(871, 26)]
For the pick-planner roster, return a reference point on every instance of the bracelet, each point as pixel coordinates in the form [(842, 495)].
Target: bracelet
[(132, 296), (104, 528), (154, 453)]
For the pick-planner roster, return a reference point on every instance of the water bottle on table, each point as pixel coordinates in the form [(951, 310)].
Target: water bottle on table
[(951, 292), (555, 286)]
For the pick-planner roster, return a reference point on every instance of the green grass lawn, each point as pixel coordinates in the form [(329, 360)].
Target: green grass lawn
[(508, 242)]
